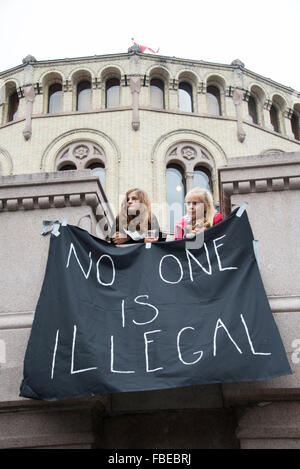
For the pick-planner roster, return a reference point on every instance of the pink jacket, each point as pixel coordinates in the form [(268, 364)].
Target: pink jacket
[(183, 222)]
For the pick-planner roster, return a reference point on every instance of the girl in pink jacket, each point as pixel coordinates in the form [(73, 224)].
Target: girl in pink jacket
[(201, 214)]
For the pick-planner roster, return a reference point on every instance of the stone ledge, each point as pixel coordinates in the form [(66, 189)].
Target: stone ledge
[(35, 424), (17, 320), (270, 420), (258, 174), (284, 304), (46, 177), (56, 189)]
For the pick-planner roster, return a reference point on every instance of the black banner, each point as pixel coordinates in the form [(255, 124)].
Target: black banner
[(144, 317)]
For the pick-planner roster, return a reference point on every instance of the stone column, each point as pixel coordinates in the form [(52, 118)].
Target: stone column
[(189, 180), (67, 96), (2, 102), (230, 108), (245, 108), (125, 91), (29, 95), (266, 114), (96, 94), (287, 115), (144, 97), (135, 87), (173, 96), (201, 99)]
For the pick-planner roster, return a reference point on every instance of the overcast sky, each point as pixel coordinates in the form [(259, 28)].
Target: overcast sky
[(264, 34)]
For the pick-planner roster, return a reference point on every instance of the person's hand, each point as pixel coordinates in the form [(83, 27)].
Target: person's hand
[(117, 239), (191, 234), (150, 240), (199, 230)]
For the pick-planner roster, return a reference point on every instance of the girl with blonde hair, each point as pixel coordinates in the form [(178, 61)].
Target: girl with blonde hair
[(201, 213), (135, 221)]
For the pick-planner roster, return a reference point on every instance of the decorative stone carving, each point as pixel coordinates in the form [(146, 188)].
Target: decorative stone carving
[(97, 151), (189, 153), (134, 49), (237, 97), (67, 86), (272, 151), (29, 95), (238, 63), (173, 152), (288, 113), (29, 60), (82, 151), (135, 87), (80, 154), (64, 154), (267, 104)]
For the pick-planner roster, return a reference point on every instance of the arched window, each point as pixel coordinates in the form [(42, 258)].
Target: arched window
[(55, 98), (185, 97), (98, 169), (67, 167), (295, 125), (82, 155), (188, 165), (202, 178), (175, 193), (252, 110), (112, 93), (157, 94), (83, 101), (213, 101), (274, 118), (13, 106)]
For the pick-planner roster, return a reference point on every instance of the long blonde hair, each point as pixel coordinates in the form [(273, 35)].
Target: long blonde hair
[(143, 215), (204, 197)]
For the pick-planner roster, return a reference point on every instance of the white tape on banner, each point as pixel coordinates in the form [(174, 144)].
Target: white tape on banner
[(241, 210)]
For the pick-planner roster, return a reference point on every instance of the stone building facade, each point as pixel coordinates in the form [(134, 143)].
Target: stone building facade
[(75, 134), (134, 115)]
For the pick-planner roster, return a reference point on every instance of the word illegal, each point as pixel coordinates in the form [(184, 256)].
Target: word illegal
[(148, 340)]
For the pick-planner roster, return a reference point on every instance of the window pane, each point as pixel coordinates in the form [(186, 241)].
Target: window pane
[(185, 97), (157, 93), (113, 93), (201, 179), (175, 194), (274, 118), (252, 112), (67, 167), (55, 98), (98, 170), (13, 107), (84, 96), (213, 101), (295, 126)]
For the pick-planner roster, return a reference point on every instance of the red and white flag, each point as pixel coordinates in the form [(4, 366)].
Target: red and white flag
[(146, 48)]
